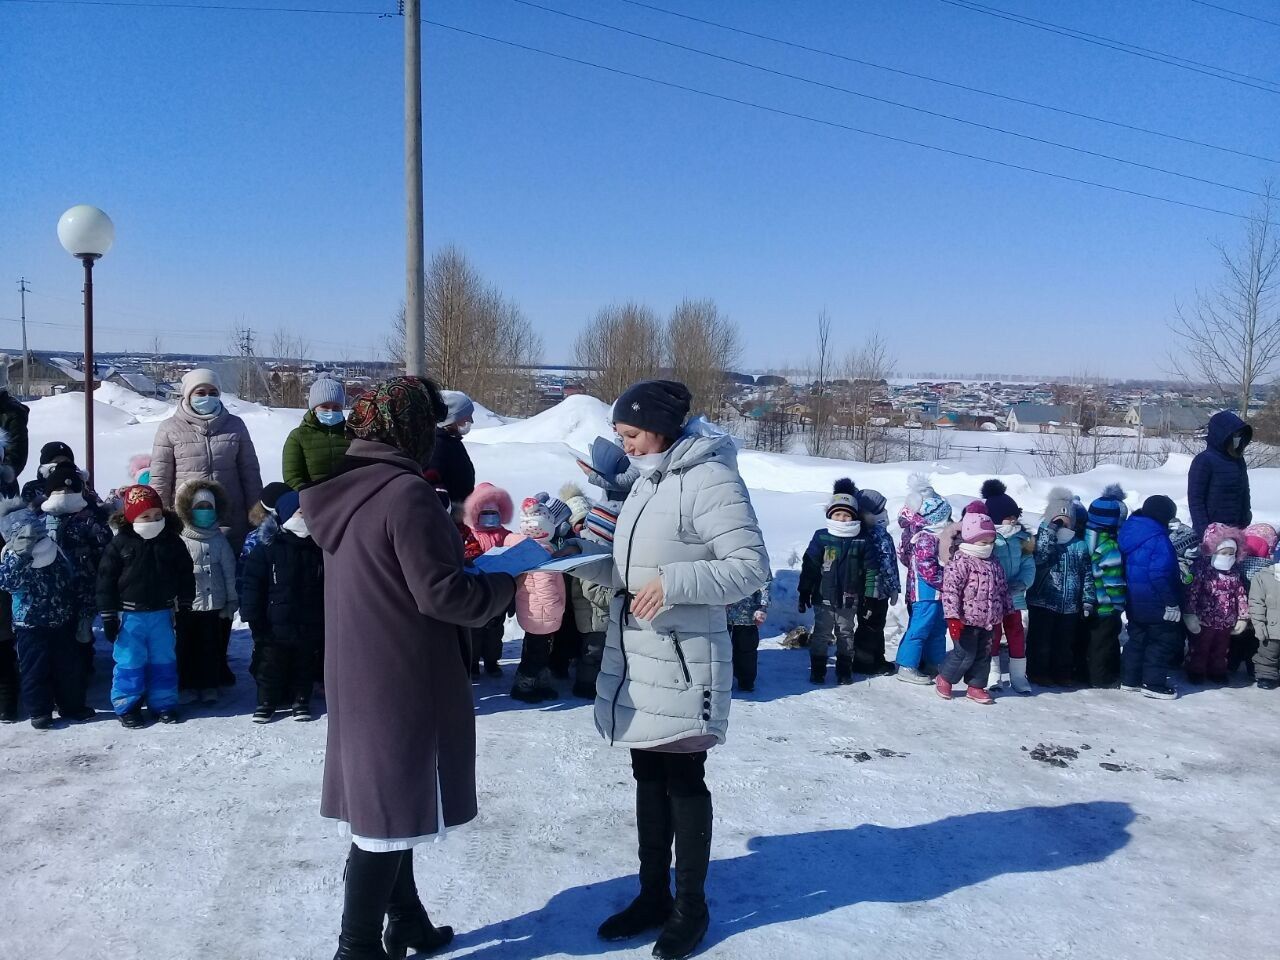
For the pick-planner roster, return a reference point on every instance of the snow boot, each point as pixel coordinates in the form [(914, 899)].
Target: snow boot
[(818, 670), (1131, 688), (187, 697), (652, 907), (546, 683), (9, 709), (942, 688), (844, 671), (689, 918), (132, 719), (209, 695), (168, 716), (1263, 683), (978, 694), (912, 675), (994, 677), (493, 669), (408, 926), (526, 689), (263, 713), (1162, 692), (42, 722), (302, 710), (1018, 676)]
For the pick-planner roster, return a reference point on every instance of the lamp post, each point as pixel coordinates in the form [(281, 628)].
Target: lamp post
[(87, 233)]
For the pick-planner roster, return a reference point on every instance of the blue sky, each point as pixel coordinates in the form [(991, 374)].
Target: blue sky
[(252, 163)]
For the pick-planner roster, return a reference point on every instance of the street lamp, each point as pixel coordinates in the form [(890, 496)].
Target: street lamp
[(87, 233)]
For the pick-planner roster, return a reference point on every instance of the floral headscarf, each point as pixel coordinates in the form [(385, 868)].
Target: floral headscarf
[(402, 412)]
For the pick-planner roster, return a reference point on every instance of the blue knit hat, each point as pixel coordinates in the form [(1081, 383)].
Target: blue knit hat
[(287, 506), (934, 510), (326, 390), (1108, 511)]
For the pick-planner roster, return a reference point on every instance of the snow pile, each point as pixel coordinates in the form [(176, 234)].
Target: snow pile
[(575, 421)]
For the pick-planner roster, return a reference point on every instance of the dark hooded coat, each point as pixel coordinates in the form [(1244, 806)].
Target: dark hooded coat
[(1218, 482)]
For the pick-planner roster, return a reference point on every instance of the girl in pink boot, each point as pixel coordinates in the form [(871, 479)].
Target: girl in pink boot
[(975, 597)]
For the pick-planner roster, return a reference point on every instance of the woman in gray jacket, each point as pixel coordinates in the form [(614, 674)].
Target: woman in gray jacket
[(687, 543)]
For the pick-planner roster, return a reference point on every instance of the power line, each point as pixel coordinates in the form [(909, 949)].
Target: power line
[(1237, 13), (835, 124), (236, 8), (1146, 53), (1044, 141), (1007, 98)]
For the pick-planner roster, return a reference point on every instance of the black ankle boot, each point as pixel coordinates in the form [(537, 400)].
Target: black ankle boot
[(817, 669), (353, 949), (415, 932), (689, 919), (653, 906), (844, 670)]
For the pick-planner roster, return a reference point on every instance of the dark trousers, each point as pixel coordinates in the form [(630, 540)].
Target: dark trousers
[(746, 652), (286, 670), (566, 643), (52, 669), (486, 642), (868, 639), (1097, 652), (1149, 652), (969, 658), (200, 650), (1208, 652), (224, 644), (1242, 650), (535, 654), (1051, 639), (8, 675), (683, 773)]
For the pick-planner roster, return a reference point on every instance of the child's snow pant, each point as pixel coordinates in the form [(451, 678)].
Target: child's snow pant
[(1097, 652), (1266, 662), (199, 649), (1243, 647), (746, 650), (1010, 630), (1148, 653), (486, 642), (969, 659), (566, 642), (146, 662), (52, 668), (828, 624), (924, 645), (1051, 639), (286, 668), (1208, 653), (8, 658), (589, 663), (535, 654), (868, 639)]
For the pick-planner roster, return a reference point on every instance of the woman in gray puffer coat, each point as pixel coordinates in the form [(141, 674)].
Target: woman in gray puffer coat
[(687, 543)]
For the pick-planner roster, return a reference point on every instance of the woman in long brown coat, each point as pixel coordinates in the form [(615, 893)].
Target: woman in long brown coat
[(400, 762)]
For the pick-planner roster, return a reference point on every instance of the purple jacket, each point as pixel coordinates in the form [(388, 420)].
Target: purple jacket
[(1218, 599), (401, 752), (975, 591), (924, 572)]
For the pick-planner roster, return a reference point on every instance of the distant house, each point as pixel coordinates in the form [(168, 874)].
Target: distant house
[(49, 375), (1167, 421), (1041, 418), (139, 383)]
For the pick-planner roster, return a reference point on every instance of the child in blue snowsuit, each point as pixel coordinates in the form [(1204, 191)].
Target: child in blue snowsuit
[(145, 577), (923, 646), (40, 580)]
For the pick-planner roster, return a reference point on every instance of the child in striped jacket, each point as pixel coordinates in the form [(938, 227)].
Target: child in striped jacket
[(1098, 641)]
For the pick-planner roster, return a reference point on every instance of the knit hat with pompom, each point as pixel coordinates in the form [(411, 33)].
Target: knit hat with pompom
[(844, 496), (1000, 506)]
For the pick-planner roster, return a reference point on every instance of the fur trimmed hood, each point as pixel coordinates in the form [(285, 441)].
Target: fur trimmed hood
[(1216, 534), (182, 502), (487, 496)]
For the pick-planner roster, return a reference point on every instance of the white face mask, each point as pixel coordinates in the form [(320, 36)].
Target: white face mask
[(61, 504), (1008, 530), (1066, 534), (148, 529), (463, 430), (844, 528), (297, 525), (43, 553), (1224, 561), (648, 463), (980, 550)]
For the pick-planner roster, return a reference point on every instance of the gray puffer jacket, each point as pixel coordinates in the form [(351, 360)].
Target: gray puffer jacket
[(212, 558), (191, 447), (691, 522), (1264, 606)]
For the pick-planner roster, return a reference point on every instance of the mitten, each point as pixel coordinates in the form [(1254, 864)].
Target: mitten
[(228, 612), (1191, 622), (893, 599), (955, 627), (1239, 628), (1172, 614), (804, 604), (1087, 611), (111, 626)]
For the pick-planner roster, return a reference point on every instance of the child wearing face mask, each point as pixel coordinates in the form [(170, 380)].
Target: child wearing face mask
[(1219, 605), (1264, 607), (884, 586), (1098, 651), (540, 605), (283, 603), (487, 512), (924, 643), (145, 576), (833, 580), (975, 597), (81, 533), (1255, 557), (41, 583), (201, 505), (1056, 597), (1015, 552)]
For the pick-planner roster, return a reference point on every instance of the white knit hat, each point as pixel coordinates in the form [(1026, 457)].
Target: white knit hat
[(198, 377)]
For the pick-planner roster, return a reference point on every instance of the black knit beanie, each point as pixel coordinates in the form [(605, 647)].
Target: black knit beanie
[(272, 492), (54, 449), (659, 406), (64, 478), (1160, 509)]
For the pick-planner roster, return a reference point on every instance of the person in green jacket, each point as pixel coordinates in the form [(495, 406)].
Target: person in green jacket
[(313, 449)]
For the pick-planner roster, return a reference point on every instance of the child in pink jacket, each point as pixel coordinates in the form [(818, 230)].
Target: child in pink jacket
[(1219, 603), (975, 597), (539, 608), (487, 512)]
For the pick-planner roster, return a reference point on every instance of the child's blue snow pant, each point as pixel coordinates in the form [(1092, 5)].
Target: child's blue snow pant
[(146, 662), (926, 634)]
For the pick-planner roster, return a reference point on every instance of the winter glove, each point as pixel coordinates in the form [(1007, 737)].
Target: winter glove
[(759, 617), (111, 626), (955, 627), (228, 613), (1087, 612), (1191, 622), (1239, 628), (1172, 614), (893, 599), (804, 604)]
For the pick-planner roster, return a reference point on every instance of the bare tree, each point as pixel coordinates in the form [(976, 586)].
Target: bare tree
[(702, 344), (867, 368), (1230, 336), (290, 352), (620, 345), (820, 402)]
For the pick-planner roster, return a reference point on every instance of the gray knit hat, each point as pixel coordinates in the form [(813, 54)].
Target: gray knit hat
[(326, 390), (460, 407)]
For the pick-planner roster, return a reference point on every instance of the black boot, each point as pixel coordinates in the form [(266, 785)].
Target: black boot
[(408, 926), (653, 826), (369, 879), (689, 917), (817, 669), (844, 670)]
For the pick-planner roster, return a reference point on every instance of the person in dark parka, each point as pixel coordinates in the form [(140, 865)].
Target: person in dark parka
[(1218, 482), (13, 421), (400, 760), (449, 457)]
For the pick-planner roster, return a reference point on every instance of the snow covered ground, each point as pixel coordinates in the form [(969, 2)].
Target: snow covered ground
[(872, 820)]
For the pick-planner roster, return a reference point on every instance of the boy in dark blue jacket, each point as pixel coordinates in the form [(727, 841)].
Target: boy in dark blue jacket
[(1154, 585), (833, 580)]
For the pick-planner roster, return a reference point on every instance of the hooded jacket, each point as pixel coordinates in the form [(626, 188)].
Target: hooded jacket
[(540, 597), (83, 538), (138, 575), (487, 497), (449, 458), (312, 451), (834, 571), (284, 590), (212, 559), (690, 522), (974, 591), (1153, 577), (1016, 556), (1062, 572), (1218, 597), (1218, 482)]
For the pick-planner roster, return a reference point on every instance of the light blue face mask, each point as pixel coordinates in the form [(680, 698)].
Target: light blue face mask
[(204, 517), (206, 406), (330, 418)]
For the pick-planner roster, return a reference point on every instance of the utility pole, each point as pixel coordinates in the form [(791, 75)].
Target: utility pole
[(23, 290), (415, 261)]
